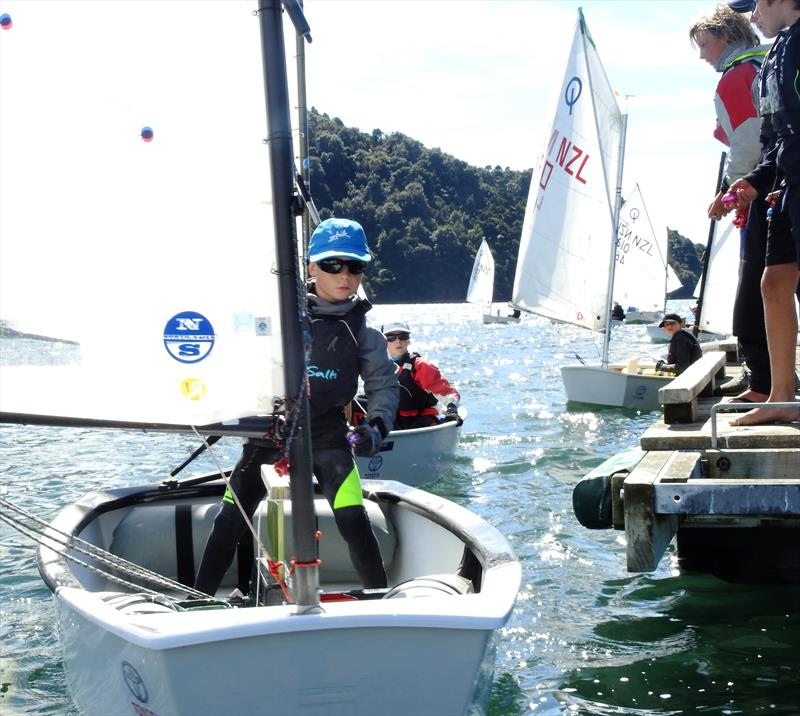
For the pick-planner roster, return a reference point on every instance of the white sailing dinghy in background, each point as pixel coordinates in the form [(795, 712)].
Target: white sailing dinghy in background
[(643, 276), (418, 456), (168, 223), (570, 229), (481, 286), (718, 289)]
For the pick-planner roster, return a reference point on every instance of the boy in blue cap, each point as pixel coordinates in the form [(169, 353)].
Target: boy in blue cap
[(342, 349)]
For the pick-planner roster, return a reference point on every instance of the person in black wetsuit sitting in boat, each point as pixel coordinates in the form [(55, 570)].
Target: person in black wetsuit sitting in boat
[(343, 348), (422, 386), (618, 312), (683, 346)]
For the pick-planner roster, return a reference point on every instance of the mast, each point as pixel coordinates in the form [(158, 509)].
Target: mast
[(302, 124), (614, 235), (293, 316)]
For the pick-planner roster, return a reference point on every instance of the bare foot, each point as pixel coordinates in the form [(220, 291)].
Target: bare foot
[(750, 396), (762, 416)]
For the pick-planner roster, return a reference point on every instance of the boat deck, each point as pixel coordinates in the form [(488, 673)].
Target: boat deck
[(730, 495)]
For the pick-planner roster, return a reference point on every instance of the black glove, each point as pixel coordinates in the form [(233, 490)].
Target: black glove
[(365, 440), (661, 365), (451, 414)]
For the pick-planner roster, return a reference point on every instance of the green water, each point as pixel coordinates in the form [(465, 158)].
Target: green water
[(585, 637)]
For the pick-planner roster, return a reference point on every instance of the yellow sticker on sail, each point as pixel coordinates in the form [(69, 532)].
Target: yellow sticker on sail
[(193, 388)]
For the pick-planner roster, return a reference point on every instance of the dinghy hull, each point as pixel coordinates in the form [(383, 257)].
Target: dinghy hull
[(611, 386), (415, 457), (497, 318), (431, 652)]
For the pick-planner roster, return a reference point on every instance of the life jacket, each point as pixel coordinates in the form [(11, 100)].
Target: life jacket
[(333, 367), (414, 399)]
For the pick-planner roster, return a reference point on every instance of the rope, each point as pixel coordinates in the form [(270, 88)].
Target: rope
[(75, 543)]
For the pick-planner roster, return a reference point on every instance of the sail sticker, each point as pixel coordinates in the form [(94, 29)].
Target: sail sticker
[(147, 134), (5, 21), (189, 337), (263, 326), (375, 463), (193, 388)]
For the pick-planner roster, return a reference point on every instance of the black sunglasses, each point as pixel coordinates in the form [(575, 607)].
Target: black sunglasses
[(338, 265), (392, 337)]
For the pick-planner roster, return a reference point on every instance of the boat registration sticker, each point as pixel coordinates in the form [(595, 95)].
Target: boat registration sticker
[(189, 337)]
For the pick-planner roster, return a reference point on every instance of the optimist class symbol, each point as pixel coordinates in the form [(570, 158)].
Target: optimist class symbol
[(189, 337), (573, 92)]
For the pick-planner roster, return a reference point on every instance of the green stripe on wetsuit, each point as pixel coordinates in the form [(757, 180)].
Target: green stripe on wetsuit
[(349, 494)]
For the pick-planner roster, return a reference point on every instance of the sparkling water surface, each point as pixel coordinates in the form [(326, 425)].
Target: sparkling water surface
[(585, 637)]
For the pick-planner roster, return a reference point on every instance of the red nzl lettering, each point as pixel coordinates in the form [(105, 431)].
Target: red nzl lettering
[(577, 153)]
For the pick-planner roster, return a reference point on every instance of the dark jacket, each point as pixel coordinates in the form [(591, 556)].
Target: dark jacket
[(683, 351)]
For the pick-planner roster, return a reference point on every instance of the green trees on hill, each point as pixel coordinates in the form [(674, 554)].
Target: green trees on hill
[(424, 211)]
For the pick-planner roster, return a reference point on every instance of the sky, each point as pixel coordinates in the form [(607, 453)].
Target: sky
[(477, 78)]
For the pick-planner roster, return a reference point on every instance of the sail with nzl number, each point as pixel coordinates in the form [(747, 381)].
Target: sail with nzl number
[(151, 218), (643, 276), (571, 226)]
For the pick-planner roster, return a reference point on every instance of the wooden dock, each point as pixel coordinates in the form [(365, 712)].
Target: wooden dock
[(730, 496)]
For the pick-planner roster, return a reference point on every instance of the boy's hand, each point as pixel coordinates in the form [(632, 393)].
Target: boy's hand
[(365, 440), (451, 414)]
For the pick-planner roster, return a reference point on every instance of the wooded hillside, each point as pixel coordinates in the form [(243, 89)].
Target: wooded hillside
[(425, 212)]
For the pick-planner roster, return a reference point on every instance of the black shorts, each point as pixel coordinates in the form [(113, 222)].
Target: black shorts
[(783, 231)]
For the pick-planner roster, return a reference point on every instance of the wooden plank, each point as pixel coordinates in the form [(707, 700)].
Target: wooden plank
[(647, 533), (758, 464), (697, 435), (680, 396), (689, 384)]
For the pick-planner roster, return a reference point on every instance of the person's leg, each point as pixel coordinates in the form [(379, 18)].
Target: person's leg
[(338, 478), (778, 286), (748, 308), (229, 524)]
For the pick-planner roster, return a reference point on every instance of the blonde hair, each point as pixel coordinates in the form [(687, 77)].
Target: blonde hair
[(725, 24)]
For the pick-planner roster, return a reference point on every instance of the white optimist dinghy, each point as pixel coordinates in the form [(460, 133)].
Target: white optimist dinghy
[(191, 319), (481, 286), (568, 248), (418, 456)]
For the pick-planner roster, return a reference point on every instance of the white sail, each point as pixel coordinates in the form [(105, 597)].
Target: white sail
[(565, 248), (157, 265), (716, 315), (673, 282), (481, 281), (641, 275)]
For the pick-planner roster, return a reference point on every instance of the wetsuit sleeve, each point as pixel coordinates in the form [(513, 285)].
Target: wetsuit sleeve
[(429, 378), (739, 119), (378, 372)]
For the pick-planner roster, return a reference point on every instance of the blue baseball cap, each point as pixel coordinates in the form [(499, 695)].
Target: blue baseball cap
[(340, 238), (742, 5)]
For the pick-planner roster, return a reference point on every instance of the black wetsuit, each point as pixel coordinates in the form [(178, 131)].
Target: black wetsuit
[(333, 376)]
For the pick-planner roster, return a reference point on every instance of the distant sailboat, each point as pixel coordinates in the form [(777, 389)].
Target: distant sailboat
[(567, 254), (481, 286), (643, 276)]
